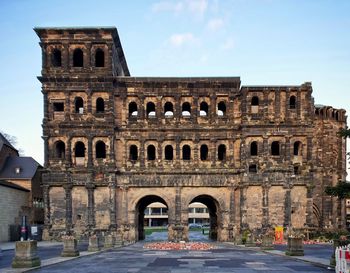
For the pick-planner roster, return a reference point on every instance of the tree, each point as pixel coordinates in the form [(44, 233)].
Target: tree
[(13, 141)]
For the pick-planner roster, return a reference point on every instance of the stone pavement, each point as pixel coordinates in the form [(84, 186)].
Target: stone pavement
[(226, 258)]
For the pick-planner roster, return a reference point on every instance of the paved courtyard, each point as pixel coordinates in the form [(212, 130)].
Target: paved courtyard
[(223, 259)]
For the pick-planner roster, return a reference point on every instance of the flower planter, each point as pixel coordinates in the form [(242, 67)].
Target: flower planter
[(70, 247), (267, 242), (295, 247), (26, 255), (93, 244)]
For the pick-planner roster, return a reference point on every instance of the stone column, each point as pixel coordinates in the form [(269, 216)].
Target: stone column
[(67, 109), (46, 106), (287, 151), (277, 105), (46, 151), (287, 208), (194, 112), (68, 193), (141, 108), (91, 205), (142, 153), (69, 152), (243, 210), (89, 102), (265, 205), (112, 205), (89, 153), (111, 156), (47, 212), (212, 108)]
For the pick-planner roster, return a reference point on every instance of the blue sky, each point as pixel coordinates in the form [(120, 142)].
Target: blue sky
[(265, 42)]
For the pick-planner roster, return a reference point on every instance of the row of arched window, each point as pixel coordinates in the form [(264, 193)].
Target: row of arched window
[(79, 149), (78, 58), (169, 152), (275, 148), (292, 101), (186, 110), (169, 109), (100, 150), (79, 105)]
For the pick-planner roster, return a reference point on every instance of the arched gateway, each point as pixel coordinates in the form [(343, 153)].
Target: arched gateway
[(254, 155)]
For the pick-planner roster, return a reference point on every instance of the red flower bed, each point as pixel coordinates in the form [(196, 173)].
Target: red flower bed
[(178, 246)]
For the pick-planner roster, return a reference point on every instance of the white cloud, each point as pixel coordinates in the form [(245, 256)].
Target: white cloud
[(167, 6), (195, 7), (228, 44), (215, 24), (180, 39)]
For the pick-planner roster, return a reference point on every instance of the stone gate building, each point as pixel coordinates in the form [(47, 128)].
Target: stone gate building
[(256, 156)]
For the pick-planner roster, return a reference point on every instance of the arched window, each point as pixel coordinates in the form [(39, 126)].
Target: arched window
[(60, 149), (221, 109), (204, 152), (100, 149), (151, 152), (221, 152), (133, 109), (99, 58), (79, 149), (255, 101), (79, 105), (254, 148), (56, 58), (151, 110), (168, 109), (186, 109), (186, 152), (133, 153), (297, 148), (275, 148), (292, 102), (78, 58), (169, 152), (203, 109), (100, 105)]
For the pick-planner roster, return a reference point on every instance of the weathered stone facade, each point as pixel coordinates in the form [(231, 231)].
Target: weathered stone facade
[(257, 156)]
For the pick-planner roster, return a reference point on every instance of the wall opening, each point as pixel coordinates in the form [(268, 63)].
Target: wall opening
[(56, 58), (221, 152), (133, 109), (297, 148), (100, 105), (78, 58), (186, 109), (151, 212), (100, 149), (99, 58), (169, 152), (203, 109), (168, 109), (275, 148), (151, 110), (79, 105), (79, 149), (253, 168), (255, 101), (203, 218), (204, 152), (186, 152), (133, 153), (253, 148), (58, 107), (221, 109), (60, 150), (151, 152), (292, 102)]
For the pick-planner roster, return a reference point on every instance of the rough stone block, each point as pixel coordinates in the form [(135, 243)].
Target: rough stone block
[(26, 255)]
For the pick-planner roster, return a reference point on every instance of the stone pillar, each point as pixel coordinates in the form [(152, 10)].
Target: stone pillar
[(265, 206), (232, 215), (243, 210), (89, 153), (288, 148), (194, 112), (112, 206), (309, 209), (89, 102), (67, 109), (91, 205), (212, 109), (69, 152), (141, 108), (287, 208), (46, 106), (68, 191), (46, 151), (142, 153), (26, 255), (111, 156), (47, 213), (277, 105)]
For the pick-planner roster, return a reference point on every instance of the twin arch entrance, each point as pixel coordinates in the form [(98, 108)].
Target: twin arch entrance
[(178, 228)]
